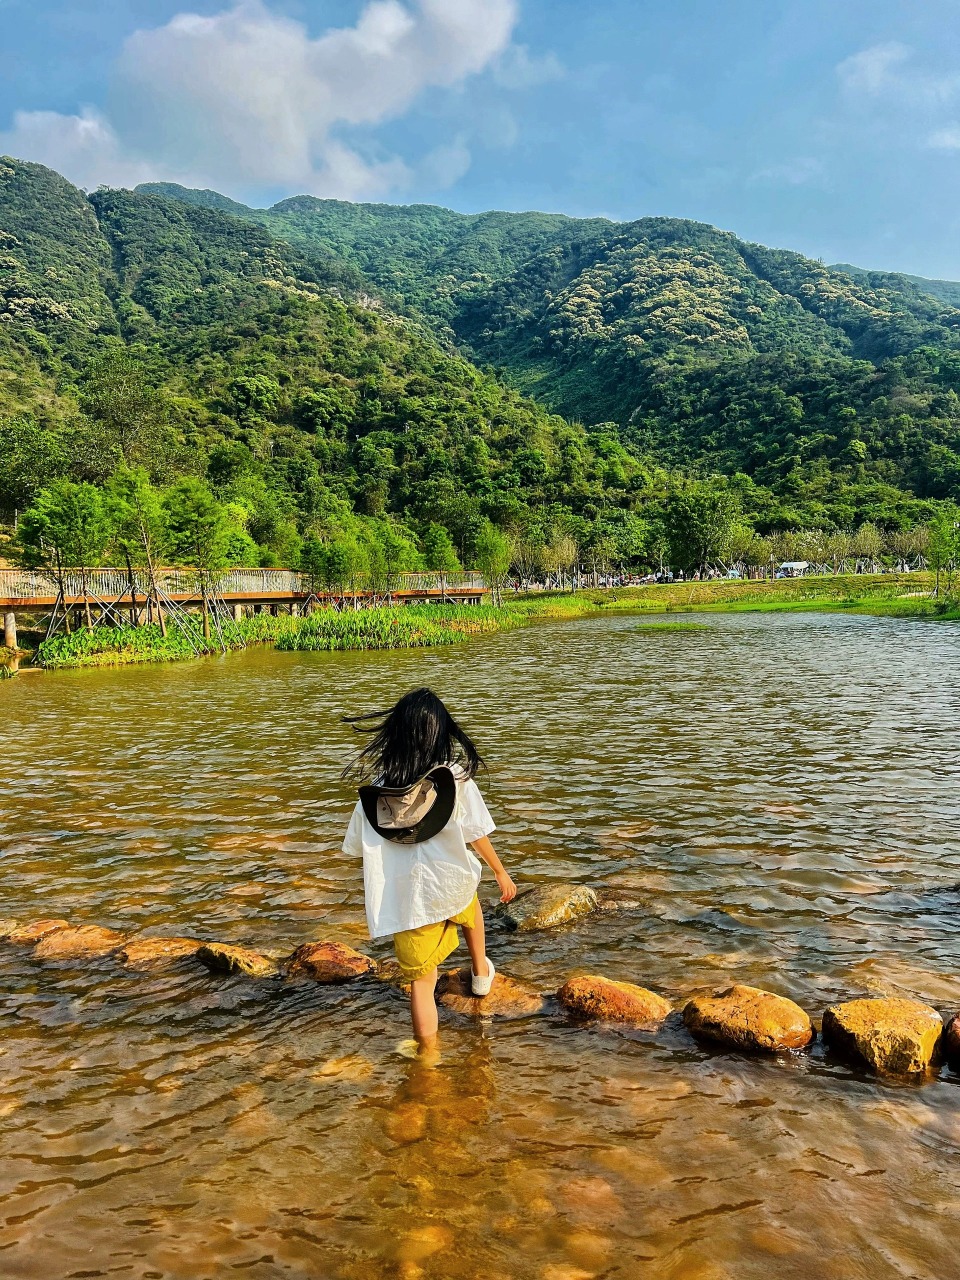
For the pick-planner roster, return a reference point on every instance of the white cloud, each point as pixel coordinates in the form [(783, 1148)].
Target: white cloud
[(945, 139), (247, 99), (890, 71), (518, 69)]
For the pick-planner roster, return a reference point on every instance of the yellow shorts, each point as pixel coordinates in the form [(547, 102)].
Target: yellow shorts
[(420, 950)]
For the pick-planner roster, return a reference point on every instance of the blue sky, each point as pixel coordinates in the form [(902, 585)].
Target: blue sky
[(831, 128)]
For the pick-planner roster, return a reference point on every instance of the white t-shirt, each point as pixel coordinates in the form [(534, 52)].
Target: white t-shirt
[(409, 885)]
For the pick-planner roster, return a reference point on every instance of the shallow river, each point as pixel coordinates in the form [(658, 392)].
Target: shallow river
[(780, 791)]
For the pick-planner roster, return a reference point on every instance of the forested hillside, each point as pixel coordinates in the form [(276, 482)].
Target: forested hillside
[(142, 331), (838, 394)]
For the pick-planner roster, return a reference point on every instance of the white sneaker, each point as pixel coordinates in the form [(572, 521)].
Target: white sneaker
[(481, 986)]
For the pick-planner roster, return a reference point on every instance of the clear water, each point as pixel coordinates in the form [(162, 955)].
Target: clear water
[(780, 792)]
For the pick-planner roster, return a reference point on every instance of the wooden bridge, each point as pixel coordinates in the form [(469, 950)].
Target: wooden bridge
[(24, 591)]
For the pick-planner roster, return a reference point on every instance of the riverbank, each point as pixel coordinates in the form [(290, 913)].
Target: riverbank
[(426, 626)]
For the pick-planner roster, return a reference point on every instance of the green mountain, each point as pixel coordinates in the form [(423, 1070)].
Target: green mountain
[(947, 291), (282, 374), (704, 349)]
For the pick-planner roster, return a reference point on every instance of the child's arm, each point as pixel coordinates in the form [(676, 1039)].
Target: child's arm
[(508, 890)]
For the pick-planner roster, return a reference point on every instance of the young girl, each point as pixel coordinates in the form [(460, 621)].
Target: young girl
[(412, 826)]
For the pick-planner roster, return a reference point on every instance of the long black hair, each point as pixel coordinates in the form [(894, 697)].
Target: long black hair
[(409, 740)]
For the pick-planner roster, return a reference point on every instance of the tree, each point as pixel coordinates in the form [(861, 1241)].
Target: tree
[(943, 545), (494, 557), (130, 416), (200, 531), (699, 518), (67, 527), (439, 554), (140, 529)]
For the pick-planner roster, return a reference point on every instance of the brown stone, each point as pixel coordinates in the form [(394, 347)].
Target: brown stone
[(891, 1036), (609, 1001), (749, 1019), (219, 957), (390, 971), (951, 1041), (28, 935), (7, 927), (615, 902), (85, 941), (547, 906), (329, 962), (148, 953), (507, 999)]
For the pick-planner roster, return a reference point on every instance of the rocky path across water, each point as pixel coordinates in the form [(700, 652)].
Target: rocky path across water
[(888, 1036)]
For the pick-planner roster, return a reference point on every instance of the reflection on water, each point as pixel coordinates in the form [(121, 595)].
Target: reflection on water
[(780, 793)]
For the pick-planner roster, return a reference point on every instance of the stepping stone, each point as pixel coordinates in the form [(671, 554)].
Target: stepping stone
[(329, 962), (85, 941), (151, 953), (547, 906), (605, 1000), (749, 1019), (219, 957), (508, 998), (28, 935), (890, 1036)]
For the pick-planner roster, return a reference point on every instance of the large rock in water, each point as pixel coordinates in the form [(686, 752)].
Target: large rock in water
[(329, 962), (749, 1019), (28, 935), (507, 999), (548, 905), (891, 1036), (609, 1001), (150, 953), (219, 957), (81, 942)]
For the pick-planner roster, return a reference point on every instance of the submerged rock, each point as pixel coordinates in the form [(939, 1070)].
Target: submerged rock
[(891, 1036), (508, 998), (28, 935), (390, 971), (547, 906), (951, 1041), (7, 927), (749, 1019), (614, 902), (329, 962), (84, 941), (604, 999), (148, 953), (219, 957)]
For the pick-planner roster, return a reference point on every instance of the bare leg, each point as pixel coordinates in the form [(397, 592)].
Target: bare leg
[(477, 945), (423, 1009)]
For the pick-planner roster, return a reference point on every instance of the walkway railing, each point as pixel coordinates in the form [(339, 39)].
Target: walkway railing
[(108, 584)]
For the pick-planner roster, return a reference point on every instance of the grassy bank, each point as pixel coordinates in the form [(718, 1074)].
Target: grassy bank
[(424, 626)]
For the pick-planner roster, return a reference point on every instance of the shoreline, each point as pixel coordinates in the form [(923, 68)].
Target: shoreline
[(427, 626)]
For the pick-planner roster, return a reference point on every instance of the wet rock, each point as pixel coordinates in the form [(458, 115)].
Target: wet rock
[(219, 957), (149, 953), (7, 927), (329, 962), (749, 1019), (85, 941), (507, 999), (891, 1036), (614, 902), (28, 935), (547, 906), (390, 971), (951, 1042), (609, 1001)]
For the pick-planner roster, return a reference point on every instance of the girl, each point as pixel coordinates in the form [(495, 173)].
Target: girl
[(412, 827)]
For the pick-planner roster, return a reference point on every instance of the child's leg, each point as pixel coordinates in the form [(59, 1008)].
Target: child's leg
[(477, 944), (423, 1007)]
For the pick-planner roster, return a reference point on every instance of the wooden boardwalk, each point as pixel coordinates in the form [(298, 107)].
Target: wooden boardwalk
[(23, 591)]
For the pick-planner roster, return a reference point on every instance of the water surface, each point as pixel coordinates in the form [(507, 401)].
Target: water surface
[(780, 794)]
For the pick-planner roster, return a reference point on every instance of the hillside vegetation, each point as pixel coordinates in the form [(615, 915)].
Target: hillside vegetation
[(838, 394)]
